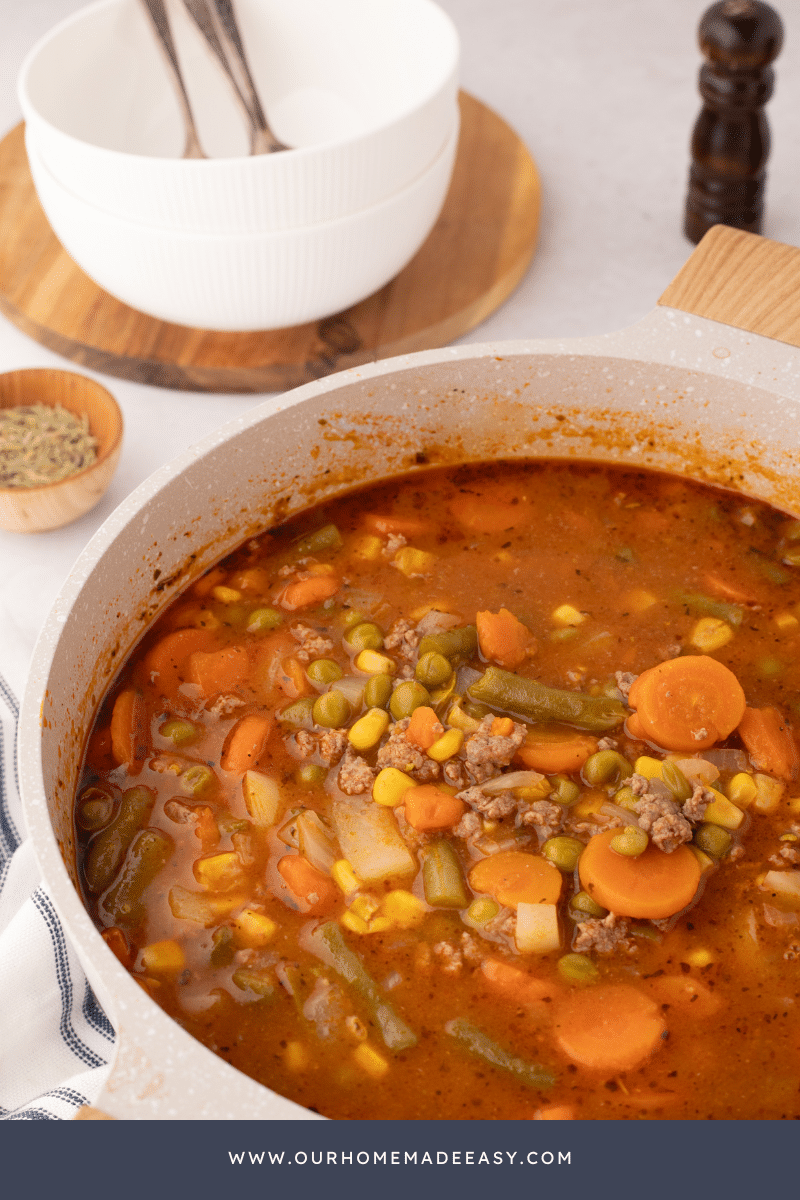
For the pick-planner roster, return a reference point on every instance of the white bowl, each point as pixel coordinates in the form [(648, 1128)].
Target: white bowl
[(363, 90), (247, 281)]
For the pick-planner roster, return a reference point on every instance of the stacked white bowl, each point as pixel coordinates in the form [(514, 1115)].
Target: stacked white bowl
[(365, 93)]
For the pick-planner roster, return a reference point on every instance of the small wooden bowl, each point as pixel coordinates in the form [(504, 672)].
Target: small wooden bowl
[(51, 505)]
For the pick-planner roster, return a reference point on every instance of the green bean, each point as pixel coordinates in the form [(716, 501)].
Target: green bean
[(407, 696), (107, 850), (179, 732), (631, 842), (707, 606), (452, 644), (606, 766), (377, 690), (325, 538), (327, 941), (433, 669), (536, 702), (577, 968), (563, 852), (582, 905), (261, 982), (323, 671), (442, 877), (477, 1043), (564, 790), (262, 620), (713, 839), (365, 636), (331, 709), (676, 781), (223, 947), (198, 780), (94, 809), (148, 853)]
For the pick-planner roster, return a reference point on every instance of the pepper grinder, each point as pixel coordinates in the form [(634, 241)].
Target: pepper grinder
[(731, 142)]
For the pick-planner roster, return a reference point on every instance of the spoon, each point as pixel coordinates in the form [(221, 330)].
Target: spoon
[(157, 12), (264, 140)]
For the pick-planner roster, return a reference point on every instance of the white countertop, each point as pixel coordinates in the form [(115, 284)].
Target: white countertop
[(604, 95)]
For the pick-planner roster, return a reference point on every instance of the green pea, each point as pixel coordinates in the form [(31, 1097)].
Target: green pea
[(299, 714), (94, 809), (606, 766), (713, 840), (353, 617), (632, 842), (323, 671), (577, 968), (433, 669), (676, 781), (626, 798), (583, 905), (310, 774), (262, 620), (377, 690), (406, 697), (365, 636), (179, 732), (320, 540), (197, 780), (331, 709), (483, 910), (564, 790), (563, 852)]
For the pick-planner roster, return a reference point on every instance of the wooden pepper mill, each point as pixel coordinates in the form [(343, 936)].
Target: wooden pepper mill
[(731, 142)]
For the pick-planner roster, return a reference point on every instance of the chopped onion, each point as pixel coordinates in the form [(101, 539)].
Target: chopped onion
[(436, 621), (700, 770), (728, 760), (783, 883), (616, 810), (514, 779)]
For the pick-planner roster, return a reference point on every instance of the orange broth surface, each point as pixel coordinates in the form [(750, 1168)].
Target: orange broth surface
[(334, 808)]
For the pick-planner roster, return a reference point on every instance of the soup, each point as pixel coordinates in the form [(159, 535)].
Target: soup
[(471, 795)]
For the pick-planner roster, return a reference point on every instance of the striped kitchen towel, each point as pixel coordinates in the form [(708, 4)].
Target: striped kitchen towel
[(56, 1042)]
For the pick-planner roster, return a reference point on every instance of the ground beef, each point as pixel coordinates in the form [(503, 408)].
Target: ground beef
[(399, 752), (607, 743), (486, 753), (625, 681), (450, 957), (453, 773), (224, 705), (468, 826), (355, 774), (332, 745), (604, 935), (312, 644), (494, 806), (695, 807), (305, 742), (394, 542), (659, 814), (546, 817), (403, 640)]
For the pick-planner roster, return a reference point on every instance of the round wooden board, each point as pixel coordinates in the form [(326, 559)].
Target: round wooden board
[(475, 256)]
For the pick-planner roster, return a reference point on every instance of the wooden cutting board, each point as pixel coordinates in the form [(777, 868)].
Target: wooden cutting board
[(476, 255)]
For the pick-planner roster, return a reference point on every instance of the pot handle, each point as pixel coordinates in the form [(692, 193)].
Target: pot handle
[(744, 280)]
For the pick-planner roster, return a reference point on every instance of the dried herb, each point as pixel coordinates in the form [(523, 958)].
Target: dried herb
[(41, 444)]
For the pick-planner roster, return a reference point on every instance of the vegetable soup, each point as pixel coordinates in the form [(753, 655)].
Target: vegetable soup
[(473, 795)]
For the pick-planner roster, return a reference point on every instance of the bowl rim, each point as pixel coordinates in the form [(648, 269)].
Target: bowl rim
[(190, 166), (106, 399)]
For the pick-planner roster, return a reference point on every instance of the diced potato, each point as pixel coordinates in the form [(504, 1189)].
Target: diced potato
[(783, 883), (537, 929), (191, 906), (413, 562), (372, 843), (262, 797)]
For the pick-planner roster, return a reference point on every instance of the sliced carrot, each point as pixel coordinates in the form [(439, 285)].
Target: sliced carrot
[(429, 808), (304, 593), (608, 1027), (653, 885), (501, 727), (482, 514), (515, 984), (728, 591), (165, 664), (635, 729), (503, 639), (129, 730), (208, 581), (554, 750), (268, 678), (516, 877), (769, 742), (424, 727), (687, 703), (117, 943), (684, 994), (317, 893), (245, 744), (218, 671), (410, 527)]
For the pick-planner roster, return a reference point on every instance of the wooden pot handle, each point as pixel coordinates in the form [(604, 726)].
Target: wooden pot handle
[(744, 280)]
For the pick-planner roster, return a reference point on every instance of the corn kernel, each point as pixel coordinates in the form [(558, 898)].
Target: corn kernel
[(649, 768), (390, 786), (226, 595), (219, 872), (446, 746), (296, 1056), (769, 793), (711, 633), (369, 729), (364, 906), (371, 662), (502, 727), (369, 1060), (354, 923), (787, 622), (589, 803), (638, 600), (320, 569), (252, 930), (413, 562), (403, 909), (704, 859), (534, 791), (345, 877), (368, 547), (379, 925), (721, 812), (164, 958), (699, 958), (567, 614), (742, 789)]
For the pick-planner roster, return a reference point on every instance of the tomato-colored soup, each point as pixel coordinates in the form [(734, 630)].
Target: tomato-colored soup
[(473, 795)]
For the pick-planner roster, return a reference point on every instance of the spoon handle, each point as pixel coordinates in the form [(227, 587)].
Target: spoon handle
[(203, 18), (157, 12), (264, 140)]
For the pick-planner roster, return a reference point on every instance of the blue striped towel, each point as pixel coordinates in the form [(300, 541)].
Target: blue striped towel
[(56, 1043)]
